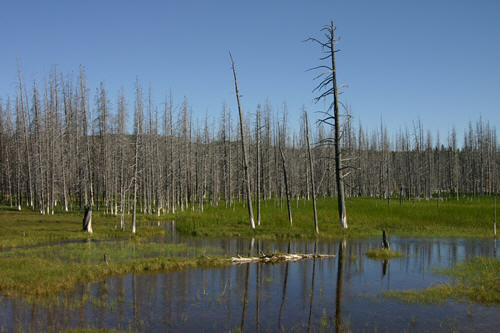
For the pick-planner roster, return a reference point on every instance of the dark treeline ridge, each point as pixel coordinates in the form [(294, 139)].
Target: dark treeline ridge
[(62, 146)]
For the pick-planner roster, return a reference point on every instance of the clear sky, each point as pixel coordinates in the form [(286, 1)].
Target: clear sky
[(437, 61)]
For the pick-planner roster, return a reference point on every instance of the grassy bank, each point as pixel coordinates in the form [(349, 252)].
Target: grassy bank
[(476, 281), (366, 217), (47, 270)]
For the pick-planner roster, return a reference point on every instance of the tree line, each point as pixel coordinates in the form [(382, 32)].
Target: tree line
[(62, 146)]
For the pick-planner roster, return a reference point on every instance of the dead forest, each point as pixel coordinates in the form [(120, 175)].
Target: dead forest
[(63, 147)]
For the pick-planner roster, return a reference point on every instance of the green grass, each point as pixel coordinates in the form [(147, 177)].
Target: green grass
[(29, 227), (45, 277), (475, 281), (47, 270), (365, 216), (383, 254)]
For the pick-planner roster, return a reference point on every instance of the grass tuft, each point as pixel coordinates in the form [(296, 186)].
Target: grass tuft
[(383, 254)]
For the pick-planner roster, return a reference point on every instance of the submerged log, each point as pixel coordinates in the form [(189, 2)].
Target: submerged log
[(87, 220), (279, 257)]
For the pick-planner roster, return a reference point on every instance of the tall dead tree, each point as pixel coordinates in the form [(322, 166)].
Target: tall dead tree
[(138, 135), (285, 178), (25, 128), (257, 160), (328, 87), (311, 171), (243, 147)]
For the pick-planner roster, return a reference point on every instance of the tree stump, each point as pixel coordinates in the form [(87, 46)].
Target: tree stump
[(87, 220), (385, 242)]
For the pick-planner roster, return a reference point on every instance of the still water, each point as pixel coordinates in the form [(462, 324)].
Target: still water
[(330, 294)]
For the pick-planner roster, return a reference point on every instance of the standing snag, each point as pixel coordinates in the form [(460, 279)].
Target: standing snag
[(283, 163), (328, 87), (243, 147), (311, 171)]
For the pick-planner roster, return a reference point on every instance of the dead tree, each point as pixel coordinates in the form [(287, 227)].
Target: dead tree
[(138, 134), (87, 220), (311, 171), (328, 87), (243, 148), (257, 160), (283, 163)]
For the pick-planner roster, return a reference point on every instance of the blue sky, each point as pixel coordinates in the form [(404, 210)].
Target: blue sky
[(437, 61)]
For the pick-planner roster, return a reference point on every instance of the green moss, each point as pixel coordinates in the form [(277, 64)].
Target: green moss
[(383, 254), (475, 281)]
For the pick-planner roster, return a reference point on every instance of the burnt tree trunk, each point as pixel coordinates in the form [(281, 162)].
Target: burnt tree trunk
[(385, 242), (87, 220)]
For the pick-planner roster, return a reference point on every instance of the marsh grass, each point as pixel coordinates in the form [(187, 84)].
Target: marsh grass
[(475, 281), (383, 254), (366, 217), (27, 228), (47, 270), (45, 277)]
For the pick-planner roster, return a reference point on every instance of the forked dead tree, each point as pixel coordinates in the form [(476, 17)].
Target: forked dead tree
[(326, 88), (243, 147)]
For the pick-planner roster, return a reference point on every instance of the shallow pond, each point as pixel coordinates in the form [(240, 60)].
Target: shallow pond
[(330, 294)]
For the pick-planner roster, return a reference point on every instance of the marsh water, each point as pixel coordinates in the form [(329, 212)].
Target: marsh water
[(331, 294)]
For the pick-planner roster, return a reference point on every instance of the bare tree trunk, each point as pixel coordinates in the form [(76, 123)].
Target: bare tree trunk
[(311, 171), (121, 144), (87, 220), (243, 148), (257, 159), (138, 133), (283, 162), (83, 106), (26, 139)]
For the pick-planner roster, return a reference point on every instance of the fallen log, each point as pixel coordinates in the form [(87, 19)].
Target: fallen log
[(279, 257)]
